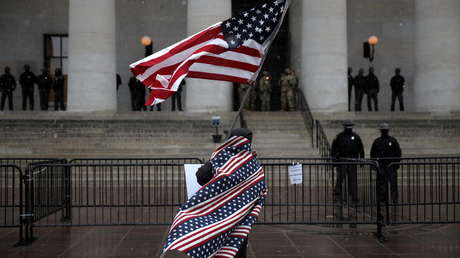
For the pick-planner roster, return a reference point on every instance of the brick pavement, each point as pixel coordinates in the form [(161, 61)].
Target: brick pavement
[(265, 241)]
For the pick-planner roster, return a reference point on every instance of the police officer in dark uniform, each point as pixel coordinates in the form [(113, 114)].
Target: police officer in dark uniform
[(58, 88), (177, 96), (372, 90), (44, 82), (350, 87), (347, 145), (397, 84), (360, 84), (27, 81), (386, 149), (7, 86)]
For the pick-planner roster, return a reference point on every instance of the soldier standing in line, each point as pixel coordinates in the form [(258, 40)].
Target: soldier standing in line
[(253, 95), (265, 87), (242, 90), (350, 87), (360, 83), (177, 97), (397, 84), (141, 92), (7, 86), (132, 84), (372, 90), (288, 85), (27, 81), (44, 82), (118, 81), (386, 149), (58, 88)]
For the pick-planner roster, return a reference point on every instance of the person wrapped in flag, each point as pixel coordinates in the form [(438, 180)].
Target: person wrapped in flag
[(232, 50), (216, 221)]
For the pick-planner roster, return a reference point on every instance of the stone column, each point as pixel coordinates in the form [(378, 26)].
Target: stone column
[(207, 95), (92, 56), (323, 74), (437, 55)]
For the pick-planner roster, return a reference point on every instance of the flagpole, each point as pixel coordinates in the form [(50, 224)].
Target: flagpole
[(242, 104)]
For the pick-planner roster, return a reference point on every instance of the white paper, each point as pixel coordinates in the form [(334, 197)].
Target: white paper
[(295, 174), (190, 179)]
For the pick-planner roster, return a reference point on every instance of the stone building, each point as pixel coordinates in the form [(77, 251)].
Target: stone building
[(323, 38)]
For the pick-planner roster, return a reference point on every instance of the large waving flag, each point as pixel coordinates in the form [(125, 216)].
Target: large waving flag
[(232, 50), (218, 218)]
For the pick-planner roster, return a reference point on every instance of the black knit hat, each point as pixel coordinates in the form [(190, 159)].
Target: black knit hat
[(246, 133)]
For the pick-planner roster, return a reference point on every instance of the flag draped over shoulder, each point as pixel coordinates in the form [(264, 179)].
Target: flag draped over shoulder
[(232, 50), (218, 218)]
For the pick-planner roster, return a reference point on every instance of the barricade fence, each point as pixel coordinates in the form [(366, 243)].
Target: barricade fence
[(98, 192)]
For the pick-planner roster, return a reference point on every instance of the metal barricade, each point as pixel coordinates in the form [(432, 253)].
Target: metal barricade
[(11, 198), (115, 194), (421, 192), (314, 200), (131, 161)]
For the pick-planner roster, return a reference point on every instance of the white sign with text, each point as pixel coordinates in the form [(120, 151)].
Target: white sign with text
[(295, 174)]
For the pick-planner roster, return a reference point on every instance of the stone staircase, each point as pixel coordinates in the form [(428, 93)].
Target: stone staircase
[(419, 134), (280, 134), (74, 135)]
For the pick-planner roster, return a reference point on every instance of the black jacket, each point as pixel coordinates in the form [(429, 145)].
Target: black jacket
[(7, 83), (386, 147), (397, 83), (347, 145)]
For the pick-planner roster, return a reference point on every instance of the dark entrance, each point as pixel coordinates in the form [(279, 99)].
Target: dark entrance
[(277, 58)]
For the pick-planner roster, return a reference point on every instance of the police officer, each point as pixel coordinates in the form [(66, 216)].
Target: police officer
[(347, 145), (27, 81), (397, 84), (265, 88), (360, 83), (177, 97), (7, 86), (350, 87), (288, 85), (58, 88), (372, 89), (44, 82), (386, 149)]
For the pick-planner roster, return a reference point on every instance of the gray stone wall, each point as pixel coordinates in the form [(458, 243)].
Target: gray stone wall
[(393, 22), (165, 21), (23, 23)]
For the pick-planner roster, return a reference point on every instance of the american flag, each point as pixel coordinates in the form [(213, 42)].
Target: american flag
[(218, 218), (232, 50)]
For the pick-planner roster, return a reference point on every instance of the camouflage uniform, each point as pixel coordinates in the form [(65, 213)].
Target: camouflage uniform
[(265, 88), (288, 85), (242, 90)]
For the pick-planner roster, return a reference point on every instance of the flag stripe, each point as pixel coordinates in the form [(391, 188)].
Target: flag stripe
[(227, 63)]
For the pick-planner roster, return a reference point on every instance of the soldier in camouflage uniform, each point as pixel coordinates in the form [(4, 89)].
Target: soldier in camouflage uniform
[(288, 85), (265, 89), (242, 90)]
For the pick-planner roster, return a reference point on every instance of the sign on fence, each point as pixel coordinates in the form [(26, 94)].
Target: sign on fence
[(295, 174)]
